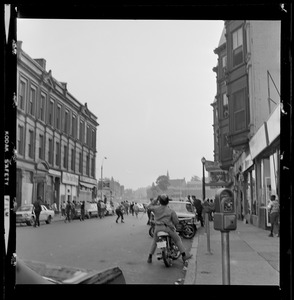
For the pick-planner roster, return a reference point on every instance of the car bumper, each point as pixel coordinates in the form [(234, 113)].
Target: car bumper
[(22, 219)]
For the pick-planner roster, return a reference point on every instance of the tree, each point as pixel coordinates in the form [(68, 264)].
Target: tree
[(195, 178), (162, 182), (153, 191)]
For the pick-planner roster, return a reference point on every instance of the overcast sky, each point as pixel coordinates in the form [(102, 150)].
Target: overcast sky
[(150, 83)]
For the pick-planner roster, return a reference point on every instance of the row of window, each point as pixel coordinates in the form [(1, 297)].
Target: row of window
[(238, 109), (58, 116), (51, 158), (237, 52)]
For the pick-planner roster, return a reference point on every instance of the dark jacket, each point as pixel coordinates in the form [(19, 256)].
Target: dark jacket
[(37, 206)]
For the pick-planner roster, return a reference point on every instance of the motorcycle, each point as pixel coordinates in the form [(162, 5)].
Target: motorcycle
[(169, 251), (186, 228)]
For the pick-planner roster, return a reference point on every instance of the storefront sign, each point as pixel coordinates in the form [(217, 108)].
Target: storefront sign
[(273, 125), (53, 172), (258, 142), (88, 180), (69, 178)]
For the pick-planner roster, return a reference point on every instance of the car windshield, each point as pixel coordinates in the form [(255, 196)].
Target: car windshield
[(24, 208), (183, 207)]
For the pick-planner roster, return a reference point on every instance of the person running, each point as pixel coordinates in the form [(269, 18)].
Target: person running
[(119, 212)]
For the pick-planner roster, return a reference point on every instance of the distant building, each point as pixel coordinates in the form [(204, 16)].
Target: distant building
[(56, 138)]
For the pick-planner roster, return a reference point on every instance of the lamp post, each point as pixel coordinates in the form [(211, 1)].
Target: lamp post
[(203, 160), (206, 221), (102, 177)]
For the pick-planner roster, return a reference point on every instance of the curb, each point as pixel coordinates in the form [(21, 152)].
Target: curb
[(190, 276)]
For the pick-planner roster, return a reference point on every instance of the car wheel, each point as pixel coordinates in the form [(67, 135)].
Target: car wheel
[(31, 221), (49, 220)]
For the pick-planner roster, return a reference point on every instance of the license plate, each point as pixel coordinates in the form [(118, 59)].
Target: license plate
[(161, 244)]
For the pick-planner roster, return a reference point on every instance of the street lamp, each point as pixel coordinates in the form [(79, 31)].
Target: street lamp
[(102, 176), (203, 160)]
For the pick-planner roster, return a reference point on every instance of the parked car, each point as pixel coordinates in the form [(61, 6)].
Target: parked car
[(109, 210), (91, 209), (25, 214)]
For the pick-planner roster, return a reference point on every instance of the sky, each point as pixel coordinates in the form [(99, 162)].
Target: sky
[(149, 82)]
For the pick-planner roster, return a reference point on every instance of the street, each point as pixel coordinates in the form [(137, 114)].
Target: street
[(97, 244)]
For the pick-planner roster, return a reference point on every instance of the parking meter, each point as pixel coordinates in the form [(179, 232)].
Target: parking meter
[(225, 218)]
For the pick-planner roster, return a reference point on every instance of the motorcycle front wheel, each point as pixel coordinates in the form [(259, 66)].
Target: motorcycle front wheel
[(189, 231), (166, 258)]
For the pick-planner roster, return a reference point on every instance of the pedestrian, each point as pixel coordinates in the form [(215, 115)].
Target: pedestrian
[(149, 211), (274, 210), (166, 220), (54, 207), (119, 212), (103, 209), (37, 210), (132, 208), (68, 211), (82, 217), (198, 205), (136, 209), (63, 206)]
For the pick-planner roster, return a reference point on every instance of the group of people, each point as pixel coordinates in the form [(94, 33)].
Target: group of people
[(68, 210), (126, 207)]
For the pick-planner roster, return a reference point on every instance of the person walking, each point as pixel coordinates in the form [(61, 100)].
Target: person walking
[(82, 217), (274, 209), (166, 220), (68, 210), (136, 209), (63, 206), (198, 205), (37, 210), (132, 208), (119, 212)]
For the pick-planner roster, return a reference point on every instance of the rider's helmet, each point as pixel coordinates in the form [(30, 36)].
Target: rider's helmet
[(163, 199)]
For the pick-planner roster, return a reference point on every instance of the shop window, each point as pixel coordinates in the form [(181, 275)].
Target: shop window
[(41, 146), (239, 110), (32, 102), (22, 95), (20, 140), (58, 117), (237, 47), (31, 144), (42, 108), (225, 105), (51, 112)]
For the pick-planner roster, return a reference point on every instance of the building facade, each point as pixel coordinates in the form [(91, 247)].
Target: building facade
[(246, 113), (56, 138)]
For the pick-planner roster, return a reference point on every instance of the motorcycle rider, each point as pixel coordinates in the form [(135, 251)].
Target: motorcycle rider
[(165, 220)]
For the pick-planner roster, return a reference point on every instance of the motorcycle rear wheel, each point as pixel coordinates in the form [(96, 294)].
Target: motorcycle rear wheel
[(166, 258)]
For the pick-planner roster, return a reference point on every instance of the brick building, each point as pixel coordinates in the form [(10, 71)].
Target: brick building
[(56, 138), (247, 113)]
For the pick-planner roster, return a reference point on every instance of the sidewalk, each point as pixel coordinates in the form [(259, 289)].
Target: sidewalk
[(254, 257)]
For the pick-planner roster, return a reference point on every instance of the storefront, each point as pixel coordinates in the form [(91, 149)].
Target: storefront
[(87, 189), (53, 187), (69, 187), (265, 151), (244, 188)]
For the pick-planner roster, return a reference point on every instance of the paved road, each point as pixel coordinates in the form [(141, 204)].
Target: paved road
[(98, 244)]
